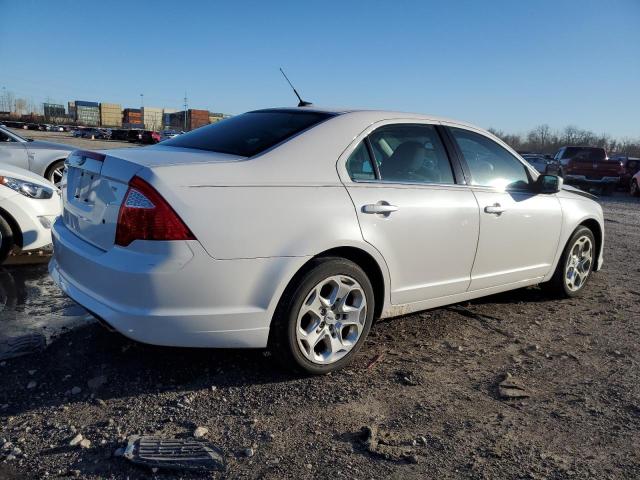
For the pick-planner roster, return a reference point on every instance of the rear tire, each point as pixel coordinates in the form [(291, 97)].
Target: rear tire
[(6, 240), (574, 268), (324, 317)]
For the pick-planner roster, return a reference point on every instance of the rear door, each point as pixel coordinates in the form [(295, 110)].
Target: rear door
[(12, 151), (519, 229), (412, 210)]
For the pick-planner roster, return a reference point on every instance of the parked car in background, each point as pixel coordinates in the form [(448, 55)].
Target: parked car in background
[(29, 205), (634, 185), (134, 135), (44, 158), (149, 137), (589, 167), (119, 134), (167, 134), (542, 164), (630, 166), (294, 228)]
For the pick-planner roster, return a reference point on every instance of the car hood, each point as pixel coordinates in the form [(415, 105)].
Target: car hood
[(41, 145), (23, 174)]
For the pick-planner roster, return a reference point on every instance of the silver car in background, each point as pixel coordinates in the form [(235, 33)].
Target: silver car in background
[(44, 158)]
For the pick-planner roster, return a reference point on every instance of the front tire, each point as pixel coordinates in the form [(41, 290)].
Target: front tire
[(575, 265), (324, 317), (6, 240)]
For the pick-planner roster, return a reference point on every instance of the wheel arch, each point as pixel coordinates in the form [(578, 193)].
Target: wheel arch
[(15, 227), (595, 227), (50, 166)]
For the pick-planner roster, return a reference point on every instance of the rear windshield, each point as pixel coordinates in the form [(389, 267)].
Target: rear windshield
[(587, 154), (249, 134)]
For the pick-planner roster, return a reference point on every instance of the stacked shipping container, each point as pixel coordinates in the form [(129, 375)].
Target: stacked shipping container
[(132, 118), (110, 115), (152, 118), (198, 118), (87, 113)]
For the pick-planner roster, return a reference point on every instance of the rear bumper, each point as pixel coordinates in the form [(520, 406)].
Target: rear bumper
[(172, 293), (583, 180)]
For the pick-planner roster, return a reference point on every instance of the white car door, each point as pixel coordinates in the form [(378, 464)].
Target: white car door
[(12, 151), (519, 228), (411, 209)]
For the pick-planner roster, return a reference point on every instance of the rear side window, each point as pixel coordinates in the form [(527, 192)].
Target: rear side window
[(407, 153), (251, 133), (359, 164), (585, 154)]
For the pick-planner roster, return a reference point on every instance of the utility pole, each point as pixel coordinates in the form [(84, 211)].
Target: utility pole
[(142, 100), (185, 111)]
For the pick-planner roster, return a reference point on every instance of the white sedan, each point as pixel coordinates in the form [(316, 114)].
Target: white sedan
[(29, 204), (295, 228)]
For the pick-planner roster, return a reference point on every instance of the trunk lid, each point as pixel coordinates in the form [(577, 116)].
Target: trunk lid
[(96, 183)]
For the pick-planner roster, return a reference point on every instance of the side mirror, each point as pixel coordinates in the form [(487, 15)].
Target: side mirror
[(548, 184)]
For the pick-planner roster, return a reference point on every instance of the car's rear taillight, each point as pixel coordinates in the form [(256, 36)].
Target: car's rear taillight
[(145, 215)]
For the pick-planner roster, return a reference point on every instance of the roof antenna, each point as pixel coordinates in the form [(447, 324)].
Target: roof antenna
[(302, 103)]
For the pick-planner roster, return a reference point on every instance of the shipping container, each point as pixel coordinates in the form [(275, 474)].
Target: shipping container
[(110, 114)]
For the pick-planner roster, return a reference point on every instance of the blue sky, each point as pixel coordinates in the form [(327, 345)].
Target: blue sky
[(504, 64)]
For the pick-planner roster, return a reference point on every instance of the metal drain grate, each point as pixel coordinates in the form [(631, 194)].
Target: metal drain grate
[(173, 453)]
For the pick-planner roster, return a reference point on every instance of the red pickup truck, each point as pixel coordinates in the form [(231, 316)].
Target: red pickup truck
[(589, 167)]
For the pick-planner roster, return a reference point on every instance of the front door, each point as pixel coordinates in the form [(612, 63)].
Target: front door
[(519, 229), (12, 151), (413, 212)]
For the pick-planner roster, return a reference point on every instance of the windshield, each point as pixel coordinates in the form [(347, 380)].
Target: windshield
[(13, 134), (249, 134)]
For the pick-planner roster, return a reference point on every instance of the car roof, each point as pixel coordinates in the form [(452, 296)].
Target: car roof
[(382, 114)]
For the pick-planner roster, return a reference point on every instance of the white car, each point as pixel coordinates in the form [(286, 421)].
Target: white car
[(295, 228), (634, 185), (29, 205)]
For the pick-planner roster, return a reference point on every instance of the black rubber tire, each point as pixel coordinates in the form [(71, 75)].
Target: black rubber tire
[(282, 339), (6, 240), (557, 287), (634, 189), (51, 168)]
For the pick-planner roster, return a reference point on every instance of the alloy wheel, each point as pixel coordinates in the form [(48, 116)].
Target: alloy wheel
[(55, 176), (579, 262), (331, 319)]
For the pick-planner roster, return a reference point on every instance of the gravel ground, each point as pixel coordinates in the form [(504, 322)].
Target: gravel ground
[(420, 401), (66, 137)]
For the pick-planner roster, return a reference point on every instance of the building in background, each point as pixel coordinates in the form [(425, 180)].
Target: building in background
[(71, 108), (152, 118), (87, 113), (54, 113), (216, 117), (132, 118), (166, 117), (110, 114)]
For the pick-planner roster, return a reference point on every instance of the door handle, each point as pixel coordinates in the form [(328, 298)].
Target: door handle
[(379, 208), (496, 209)]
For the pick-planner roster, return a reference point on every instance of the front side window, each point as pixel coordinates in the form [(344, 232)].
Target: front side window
[(249, 134), (490, 164), (4, 137), (411, 154), (359, 164)]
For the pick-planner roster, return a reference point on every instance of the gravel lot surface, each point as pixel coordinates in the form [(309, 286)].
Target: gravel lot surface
[(422, 399), (69, 139)]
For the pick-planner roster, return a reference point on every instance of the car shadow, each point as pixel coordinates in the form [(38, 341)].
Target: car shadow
[(130, 369)]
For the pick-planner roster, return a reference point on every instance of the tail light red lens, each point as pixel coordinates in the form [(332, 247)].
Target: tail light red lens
[(145, 215)]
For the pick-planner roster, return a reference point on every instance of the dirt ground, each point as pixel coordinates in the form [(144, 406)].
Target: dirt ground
[(421, 400), (69, 139)]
